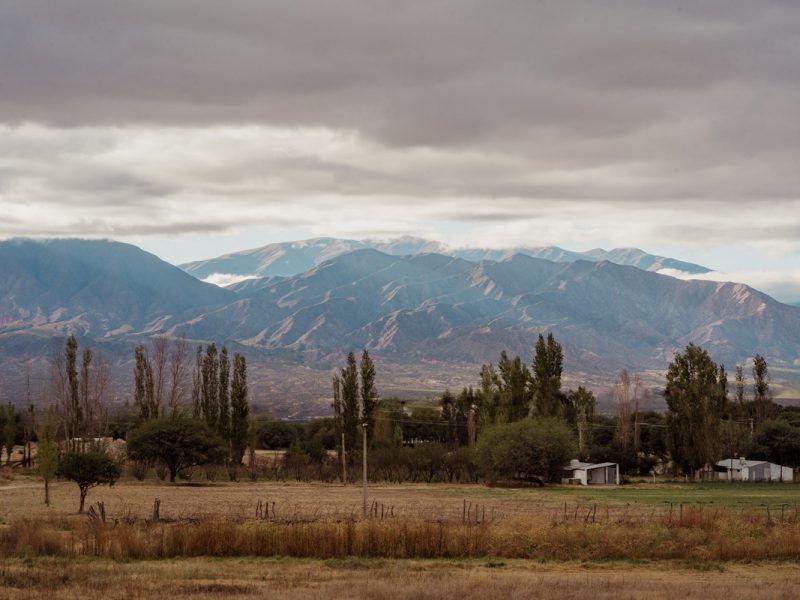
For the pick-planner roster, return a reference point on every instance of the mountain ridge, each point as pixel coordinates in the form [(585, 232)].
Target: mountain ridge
[(291, 258), (426, 317)]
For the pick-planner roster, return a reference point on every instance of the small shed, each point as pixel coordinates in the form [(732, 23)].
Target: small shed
[(741, 469), (582, 473)]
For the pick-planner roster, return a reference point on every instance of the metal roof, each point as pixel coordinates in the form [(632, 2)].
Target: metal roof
[(582, 466), (737, 463)]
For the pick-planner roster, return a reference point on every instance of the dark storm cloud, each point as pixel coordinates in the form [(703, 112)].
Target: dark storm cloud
[(625, 118), (434, 73)]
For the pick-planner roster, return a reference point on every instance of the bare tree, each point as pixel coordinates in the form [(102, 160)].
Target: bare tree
[(159, 364), (65, 389), (99, 402), (626, 394), (28, 419), (178, 368), (80, 399)]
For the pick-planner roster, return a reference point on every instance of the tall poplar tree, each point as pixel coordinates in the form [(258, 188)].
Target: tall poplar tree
[(740, 385), (210, 387), (197, 384), (548, 365), (762, 397), (223, 398), (515, 396), (143, 393), (74, 416), (369, 395), (240, 410), (351, 414)]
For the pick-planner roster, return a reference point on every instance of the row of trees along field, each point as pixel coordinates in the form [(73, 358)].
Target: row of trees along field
[(179, 420), (516, 422)]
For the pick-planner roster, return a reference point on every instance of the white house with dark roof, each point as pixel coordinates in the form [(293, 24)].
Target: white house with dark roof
[(582, 473)]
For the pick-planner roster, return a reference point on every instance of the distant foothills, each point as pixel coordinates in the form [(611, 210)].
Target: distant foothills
[(428, 314)]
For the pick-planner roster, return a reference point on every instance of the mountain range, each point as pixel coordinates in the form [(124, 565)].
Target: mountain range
[(429, 318), (292, 258)]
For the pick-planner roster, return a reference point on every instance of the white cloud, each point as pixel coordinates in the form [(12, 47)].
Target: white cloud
[(226, 279), (782, 285)]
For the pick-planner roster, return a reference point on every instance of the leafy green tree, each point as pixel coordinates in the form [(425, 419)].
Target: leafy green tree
[(762, 397), (369, 395), (322, 431), (515, 380), (456, 413), (351, 414), (487, 397), (178, 443), (582, 405), (276, 435), (740, 385), (88, 470), (548, 365), (461, 465), (240, 409), (530, 447), (696, 402), (426, 461), (425, 425), (777, 441)]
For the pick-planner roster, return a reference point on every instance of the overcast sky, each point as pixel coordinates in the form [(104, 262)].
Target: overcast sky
[(196, 127)]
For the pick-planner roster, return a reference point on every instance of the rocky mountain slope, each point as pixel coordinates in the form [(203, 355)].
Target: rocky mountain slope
[(424, 316)]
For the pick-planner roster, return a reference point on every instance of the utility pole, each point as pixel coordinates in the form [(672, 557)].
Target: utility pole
[(344, 463), (365, 471)]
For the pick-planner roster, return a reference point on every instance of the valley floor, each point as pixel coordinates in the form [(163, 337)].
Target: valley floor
[(648, 541), (293, 579)]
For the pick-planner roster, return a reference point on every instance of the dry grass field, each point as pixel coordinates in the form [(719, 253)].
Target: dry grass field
[(291, 579), (422, 541), (23, 496)]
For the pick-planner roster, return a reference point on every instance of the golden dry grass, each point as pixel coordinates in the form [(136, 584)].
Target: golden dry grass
[(23, 497), (696, 535), (206, 543), (391, 580)]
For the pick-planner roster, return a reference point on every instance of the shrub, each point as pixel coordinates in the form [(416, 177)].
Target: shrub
[(530, 447), (178, 443)]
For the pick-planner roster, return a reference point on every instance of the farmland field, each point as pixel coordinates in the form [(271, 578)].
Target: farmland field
[(23, 497), (422, 541)]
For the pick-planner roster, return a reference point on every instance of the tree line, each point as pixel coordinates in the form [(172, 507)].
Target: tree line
[(167, 430), (516, 422)]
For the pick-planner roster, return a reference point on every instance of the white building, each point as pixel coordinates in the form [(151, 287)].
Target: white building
[(592, 473), (740, 469)]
